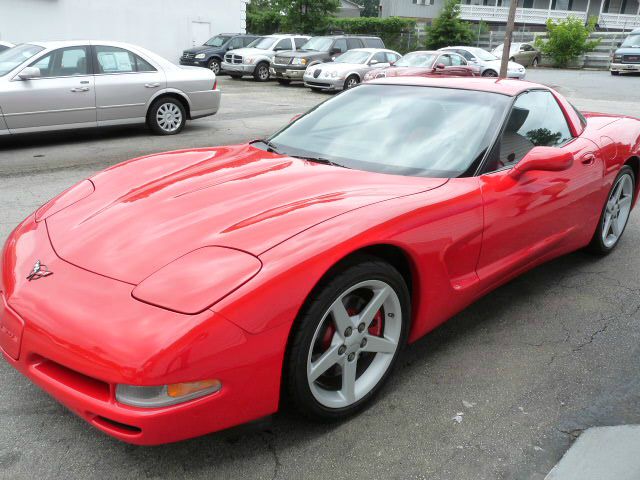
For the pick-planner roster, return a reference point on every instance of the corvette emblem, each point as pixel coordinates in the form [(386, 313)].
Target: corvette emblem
[(39, 271)]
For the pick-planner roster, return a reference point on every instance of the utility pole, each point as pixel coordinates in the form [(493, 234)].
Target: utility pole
[(508, 33)]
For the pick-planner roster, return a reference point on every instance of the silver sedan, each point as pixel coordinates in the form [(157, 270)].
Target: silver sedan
[(66, 85), (349, 69)]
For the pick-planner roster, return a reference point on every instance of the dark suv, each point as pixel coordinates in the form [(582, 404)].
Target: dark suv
[(210, 54), (289, 66)]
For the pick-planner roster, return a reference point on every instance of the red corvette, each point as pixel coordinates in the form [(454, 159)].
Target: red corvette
[(427, 63), (186, 292)]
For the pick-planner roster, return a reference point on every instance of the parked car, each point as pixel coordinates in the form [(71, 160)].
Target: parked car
[(211, 54), (188, 292), (256, 59), (349, 69), (427, 63), (523, 53), (488, 63), (627, 57), (289, 66), (75, 84), (5, 46)]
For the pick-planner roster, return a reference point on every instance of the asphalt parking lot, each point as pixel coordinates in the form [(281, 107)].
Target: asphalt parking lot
[(526, 369)]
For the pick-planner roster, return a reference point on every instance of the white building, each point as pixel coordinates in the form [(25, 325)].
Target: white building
[(163, 26)]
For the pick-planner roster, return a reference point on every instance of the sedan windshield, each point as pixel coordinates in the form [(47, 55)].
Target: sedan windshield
[(353, 56), (318, 44), (398, 129), (416, 59), (632, 41), (217, 41), (10, 59), (263, 43), (482, 54)]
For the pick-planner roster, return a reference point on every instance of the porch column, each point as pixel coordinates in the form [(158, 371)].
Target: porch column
[(549, 10), (586, 14)]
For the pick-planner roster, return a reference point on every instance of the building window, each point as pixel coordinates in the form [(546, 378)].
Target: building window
[(423, 2)]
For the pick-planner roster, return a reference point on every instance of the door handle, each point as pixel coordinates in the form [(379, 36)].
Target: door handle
[(79, 89), (588, 159), (151, 85)]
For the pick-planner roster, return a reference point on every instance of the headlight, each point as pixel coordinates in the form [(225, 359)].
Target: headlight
[(200, 56), (65, 199), (165, 395), (205, 276), (617, 58), (299, 61), (331, 74)]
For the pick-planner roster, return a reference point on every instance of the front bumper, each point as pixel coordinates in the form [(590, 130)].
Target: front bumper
[(238, 68), (328, 84), (79, 334), (625, 67), (193, 62), (287, 72), (516, 75)]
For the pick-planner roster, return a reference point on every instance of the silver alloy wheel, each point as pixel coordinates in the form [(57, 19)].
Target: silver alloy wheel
[(169, 117), (617, 210), (352, 82), (263, 73), (214, 67), (351, 340)]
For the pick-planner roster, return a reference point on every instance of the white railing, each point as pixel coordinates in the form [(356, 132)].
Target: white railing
[(619, 20), (523, 15)]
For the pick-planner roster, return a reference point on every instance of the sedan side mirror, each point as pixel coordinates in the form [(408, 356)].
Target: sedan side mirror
[(546, 159), (619, 44), (29, 73), (373, 62), (335, 51), (439, 66)]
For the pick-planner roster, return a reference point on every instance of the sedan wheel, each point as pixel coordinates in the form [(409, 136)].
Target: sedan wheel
[(615, 215), (351, 82), (214, 66), (490, 73), (167, 116), (348, 340)]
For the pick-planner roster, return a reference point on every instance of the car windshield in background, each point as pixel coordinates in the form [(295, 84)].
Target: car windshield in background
[(217, 41), (483, 54), (318, 44), (632, 41), (353, 56), (397, 129), (10, 59), (416, 60), (263, 43)]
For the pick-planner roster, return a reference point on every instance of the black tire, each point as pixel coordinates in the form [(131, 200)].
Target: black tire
[(214, 65), (489, 73), (535, 63), (168, 104), (295, 381), (597, 246), (351, 82), (283, 81), (261, 73), (512, 59), (615, 73)]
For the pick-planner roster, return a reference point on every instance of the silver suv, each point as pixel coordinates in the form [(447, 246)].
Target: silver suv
[(256, 58)]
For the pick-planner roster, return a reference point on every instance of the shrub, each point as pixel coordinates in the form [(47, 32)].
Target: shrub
[(447, 29), (567, 39)]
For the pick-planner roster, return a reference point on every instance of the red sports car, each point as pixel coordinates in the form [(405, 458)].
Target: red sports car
[(427, 63), (186, 292)]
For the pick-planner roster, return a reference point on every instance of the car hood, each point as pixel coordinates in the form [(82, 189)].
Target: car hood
[(148, 212), (203, 49), (250, 51), (340, 67), (303, 54)]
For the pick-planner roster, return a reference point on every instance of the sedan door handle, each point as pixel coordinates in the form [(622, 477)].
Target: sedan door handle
[(588, 159), (151, 85), (80, 89)]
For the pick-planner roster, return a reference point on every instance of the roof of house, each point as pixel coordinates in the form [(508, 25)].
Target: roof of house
[(351, 4)]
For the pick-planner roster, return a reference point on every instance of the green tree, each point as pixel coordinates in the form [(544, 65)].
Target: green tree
[(567, 39), (306, 16), (447, 29), (370, 8), (263, 17)]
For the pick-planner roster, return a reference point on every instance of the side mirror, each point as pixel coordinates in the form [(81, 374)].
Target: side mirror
[(619, 44), (439, 66), (373, 62), (29, 73), (335, 51), (546, 159)]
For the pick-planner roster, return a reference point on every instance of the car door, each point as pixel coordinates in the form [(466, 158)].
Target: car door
[(542, 212), (527, 54), (458, 67), (379, 60), (63, 96), (125, 83)]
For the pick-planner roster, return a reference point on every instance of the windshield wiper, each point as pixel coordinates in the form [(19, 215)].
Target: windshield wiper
[(271, 148), (324, 161)]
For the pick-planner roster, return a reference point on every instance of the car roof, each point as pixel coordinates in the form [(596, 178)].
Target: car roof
[(426, 52), (507, 87), (371, 50)]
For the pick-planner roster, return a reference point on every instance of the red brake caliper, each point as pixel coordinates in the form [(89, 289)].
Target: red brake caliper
[(374, 329)]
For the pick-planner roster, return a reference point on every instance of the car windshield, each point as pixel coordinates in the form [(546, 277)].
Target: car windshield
[(10, 59), (353, 56), (263, 43), (416, 59), (398, 129), (318, 44), (217, 41), (632, 41), (482, 54)]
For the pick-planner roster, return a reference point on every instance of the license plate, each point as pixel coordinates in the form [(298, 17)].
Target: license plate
[(11, 327)]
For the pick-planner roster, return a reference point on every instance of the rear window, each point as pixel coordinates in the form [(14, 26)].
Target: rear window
[(373, 42)]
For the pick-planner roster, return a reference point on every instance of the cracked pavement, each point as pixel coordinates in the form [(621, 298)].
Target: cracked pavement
[(528, 367)]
